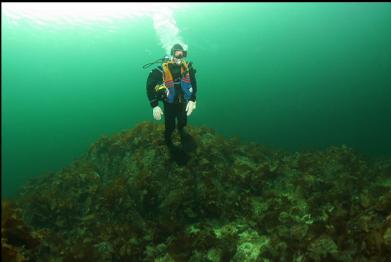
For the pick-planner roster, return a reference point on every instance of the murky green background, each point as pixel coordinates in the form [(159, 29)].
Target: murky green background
[(292, 76)]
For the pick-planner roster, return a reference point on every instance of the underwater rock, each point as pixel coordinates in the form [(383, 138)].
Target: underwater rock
[(323, 248), (387, 237), (18, 241), (250, 246), (127, 200)]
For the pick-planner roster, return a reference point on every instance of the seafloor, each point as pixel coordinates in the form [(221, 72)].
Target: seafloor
[(126, 199)]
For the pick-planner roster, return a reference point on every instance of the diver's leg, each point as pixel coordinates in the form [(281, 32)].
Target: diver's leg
[(187, 141), (177, 154), (182, 118), (169, 121)]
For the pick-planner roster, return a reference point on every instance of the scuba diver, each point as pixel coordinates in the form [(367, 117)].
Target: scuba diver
[(174, 83)]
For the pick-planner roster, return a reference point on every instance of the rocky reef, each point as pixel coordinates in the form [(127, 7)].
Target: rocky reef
[(126, 200)]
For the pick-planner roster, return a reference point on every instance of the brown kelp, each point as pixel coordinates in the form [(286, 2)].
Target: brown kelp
[(126, 200)]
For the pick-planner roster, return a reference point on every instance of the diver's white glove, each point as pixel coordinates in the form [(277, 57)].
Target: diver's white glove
[(157, 112), (190, 107)]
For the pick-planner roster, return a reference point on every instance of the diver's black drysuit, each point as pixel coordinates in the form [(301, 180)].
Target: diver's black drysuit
[(174, 110)]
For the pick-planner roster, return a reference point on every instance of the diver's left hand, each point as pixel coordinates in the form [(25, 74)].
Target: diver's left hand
[(190, 107)]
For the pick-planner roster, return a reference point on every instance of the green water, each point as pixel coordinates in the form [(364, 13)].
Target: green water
[(292, 76)]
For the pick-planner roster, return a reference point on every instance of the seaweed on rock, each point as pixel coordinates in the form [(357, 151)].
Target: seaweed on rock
[(125, 200)]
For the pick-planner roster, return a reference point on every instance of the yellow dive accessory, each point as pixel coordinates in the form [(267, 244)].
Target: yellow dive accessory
[(162, 91), (160, 87)]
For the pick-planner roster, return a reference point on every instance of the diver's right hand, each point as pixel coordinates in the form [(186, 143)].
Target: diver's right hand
[(157, 112)]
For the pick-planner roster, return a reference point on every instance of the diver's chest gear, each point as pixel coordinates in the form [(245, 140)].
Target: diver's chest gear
[(176, 79)]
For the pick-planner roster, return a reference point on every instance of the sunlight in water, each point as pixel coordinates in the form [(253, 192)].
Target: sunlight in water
[(44, 14), (83, 11)]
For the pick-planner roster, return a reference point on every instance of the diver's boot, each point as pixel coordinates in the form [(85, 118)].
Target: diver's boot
[(176, 153), (168, 141), (187, 140), (184, 135)]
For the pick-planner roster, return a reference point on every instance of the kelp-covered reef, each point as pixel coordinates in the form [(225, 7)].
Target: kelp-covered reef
[(126, 200)]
